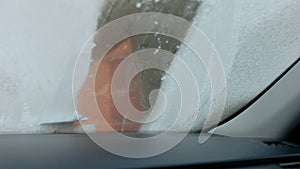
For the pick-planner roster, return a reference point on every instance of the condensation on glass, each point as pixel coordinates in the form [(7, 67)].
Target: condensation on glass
[(41, 40)]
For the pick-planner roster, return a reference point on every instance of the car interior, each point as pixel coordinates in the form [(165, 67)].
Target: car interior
[(149, 84)]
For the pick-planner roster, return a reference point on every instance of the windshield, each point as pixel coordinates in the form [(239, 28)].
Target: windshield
[(54, 77)]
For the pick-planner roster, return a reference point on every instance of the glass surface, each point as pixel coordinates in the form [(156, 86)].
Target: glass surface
[(41, 40)]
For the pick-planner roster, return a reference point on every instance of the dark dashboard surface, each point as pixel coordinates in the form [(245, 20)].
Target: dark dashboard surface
[(78, 151)]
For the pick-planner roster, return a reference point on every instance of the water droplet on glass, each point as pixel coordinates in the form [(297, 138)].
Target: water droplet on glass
[(93, 45), (138, 5)]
